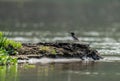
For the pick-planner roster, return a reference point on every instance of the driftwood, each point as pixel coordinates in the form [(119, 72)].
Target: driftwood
[(58, 50)]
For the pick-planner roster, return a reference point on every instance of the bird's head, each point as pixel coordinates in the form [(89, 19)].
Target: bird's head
[(72, 33)]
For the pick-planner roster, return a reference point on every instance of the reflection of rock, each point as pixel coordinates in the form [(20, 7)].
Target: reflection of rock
[(57, 50)]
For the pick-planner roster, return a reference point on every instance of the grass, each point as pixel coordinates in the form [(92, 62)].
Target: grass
[(8, 47)]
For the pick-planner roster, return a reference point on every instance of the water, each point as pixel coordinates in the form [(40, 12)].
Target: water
[(94, 22), (106, 42), (76, 71)]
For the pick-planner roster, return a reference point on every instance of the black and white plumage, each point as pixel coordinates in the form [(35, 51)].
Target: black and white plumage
[(74, 36)]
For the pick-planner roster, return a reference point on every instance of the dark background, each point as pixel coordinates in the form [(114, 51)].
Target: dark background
[(58, 14)]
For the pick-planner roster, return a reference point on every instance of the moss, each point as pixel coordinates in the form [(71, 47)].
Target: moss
[(48, 49)]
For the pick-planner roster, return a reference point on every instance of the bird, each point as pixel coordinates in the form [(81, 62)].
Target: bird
[(74, 36)]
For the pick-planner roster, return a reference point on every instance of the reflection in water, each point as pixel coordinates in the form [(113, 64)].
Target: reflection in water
[(75, 71), (52, 72), (8, 73), (38, 72)]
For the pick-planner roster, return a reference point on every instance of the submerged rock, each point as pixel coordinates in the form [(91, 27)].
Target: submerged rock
[(58, 50)]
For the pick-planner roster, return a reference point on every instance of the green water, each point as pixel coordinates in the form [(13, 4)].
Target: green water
[(62, 72)]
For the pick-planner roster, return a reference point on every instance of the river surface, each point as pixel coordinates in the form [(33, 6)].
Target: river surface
[(105, 40), (95, 22), (75, 71)]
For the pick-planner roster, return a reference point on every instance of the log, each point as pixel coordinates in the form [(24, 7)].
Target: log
[(57, 50)]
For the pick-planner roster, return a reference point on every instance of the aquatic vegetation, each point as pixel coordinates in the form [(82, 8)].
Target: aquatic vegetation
[(5, 59), (8, 47), (48, 49), (1, 34), (4, 42)]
